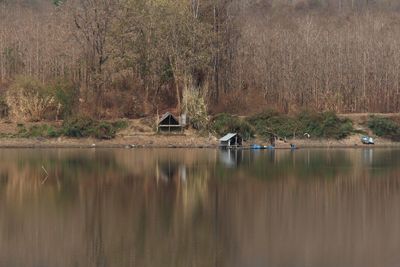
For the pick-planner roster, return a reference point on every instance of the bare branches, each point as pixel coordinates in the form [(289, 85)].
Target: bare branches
[(326, 54)]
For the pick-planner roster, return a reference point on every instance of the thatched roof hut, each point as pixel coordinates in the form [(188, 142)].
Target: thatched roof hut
[(169, 123)]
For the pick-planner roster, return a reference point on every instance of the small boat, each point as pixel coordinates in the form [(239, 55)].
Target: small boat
[(367, 140), (255, 146)]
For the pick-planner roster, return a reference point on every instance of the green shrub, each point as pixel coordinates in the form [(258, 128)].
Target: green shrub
[(104, 130), (317, 125), (37, 131), (43, 130), (78, 127), (224, 123), (325, 125), (384, 127), (271, 123), (53, 133), (66, 95)]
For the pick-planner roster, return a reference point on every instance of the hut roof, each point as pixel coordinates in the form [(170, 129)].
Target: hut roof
[(228, 137), (166, 115)]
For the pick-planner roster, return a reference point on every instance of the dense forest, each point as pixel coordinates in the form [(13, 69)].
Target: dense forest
[(132, 58)]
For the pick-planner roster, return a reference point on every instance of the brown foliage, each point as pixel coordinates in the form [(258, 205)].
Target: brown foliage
[(28, 101), (136, 57), (322, 62)]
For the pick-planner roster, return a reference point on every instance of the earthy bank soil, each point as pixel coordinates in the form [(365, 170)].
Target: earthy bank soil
[(139, 134)]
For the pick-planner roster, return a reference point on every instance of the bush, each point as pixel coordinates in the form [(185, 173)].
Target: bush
[(324, 125), (66, 95), (224, 123), (37, 131), (53, 133), (28, 100), (79, 127), (271, 123), (384, 127), (104, 130), (43, 130), (317, 125)]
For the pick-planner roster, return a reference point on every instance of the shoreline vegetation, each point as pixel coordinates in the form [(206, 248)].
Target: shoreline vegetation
[(305, 130), (144, 144)]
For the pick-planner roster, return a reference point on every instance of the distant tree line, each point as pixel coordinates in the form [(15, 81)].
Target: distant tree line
[(130, 58)]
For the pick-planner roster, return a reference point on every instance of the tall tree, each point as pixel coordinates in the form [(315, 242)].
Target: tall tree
[(93, 20)]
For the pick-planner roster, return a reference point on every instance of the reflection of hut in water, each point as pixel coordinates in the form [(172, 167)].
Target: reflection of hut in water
[(368, 156), (169, 123), (231, 158), (168, 171), (231, 139)]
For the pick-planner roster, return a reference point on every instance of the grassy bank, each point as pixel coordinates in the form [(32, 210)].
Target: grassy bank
[(268, 124), (306, 128), (79, 127), (310, 128)]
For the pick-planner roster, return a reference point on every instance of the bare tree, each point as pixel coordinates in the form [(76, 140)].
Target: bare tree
[(93, 19)]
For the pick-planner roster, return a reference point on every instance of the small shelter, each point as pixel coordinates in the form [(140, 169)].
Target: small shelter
[(169, 123), (231, 139)]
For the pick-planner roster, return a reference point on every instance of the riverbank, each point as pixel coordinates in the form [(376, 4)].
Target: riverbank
[(140, 141), (178, 141), (139, 134)]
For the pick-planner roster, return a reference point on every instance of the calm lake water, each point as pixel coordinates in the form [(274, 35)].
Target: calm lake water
[(182, 207)]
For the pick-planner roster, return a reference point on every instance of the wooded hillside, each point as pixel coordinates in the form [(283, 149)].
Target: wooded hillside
[(130, 58)]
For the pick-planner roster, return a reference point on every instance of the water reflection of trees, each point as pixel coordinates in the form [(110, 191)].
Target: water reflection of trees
[(191, 208), (309, 164), (301, 164), (105, 211)]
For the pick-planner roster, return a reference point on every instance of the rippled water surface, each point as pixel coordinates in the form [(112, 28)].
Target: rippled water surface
[(182, 207)]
